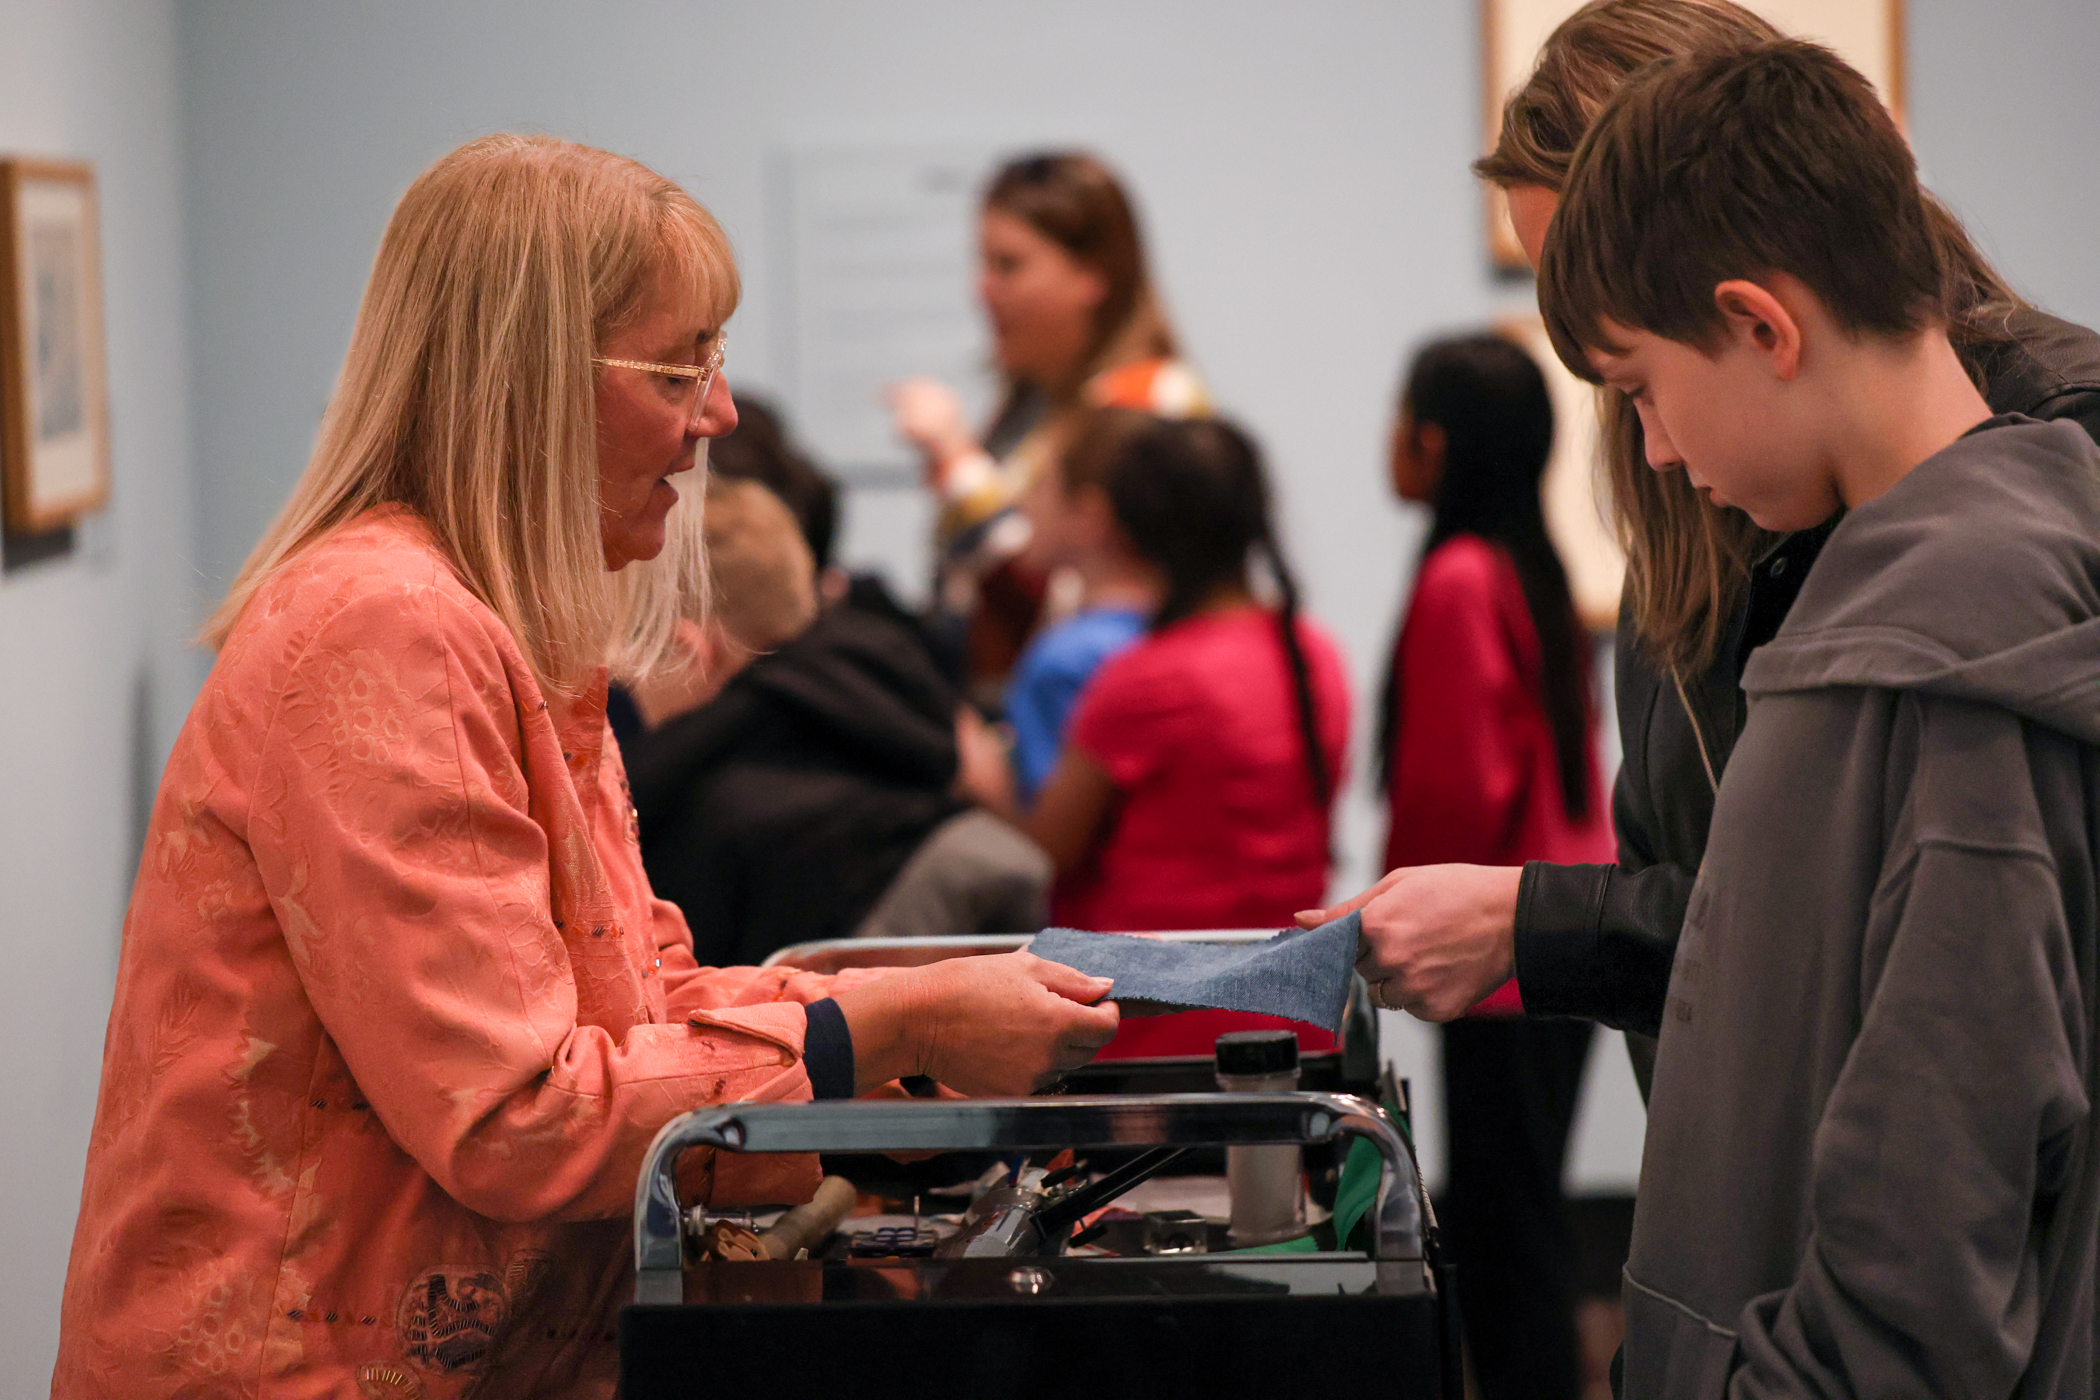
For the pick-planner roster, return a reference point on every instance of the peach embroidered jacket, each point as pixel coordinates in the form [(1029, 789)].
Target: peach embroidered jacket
[(395, 1007)]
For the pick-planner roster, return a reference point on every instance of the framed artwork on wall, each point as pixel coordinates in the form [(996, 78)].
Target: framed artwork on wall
[(1868, 34), (54, 413)]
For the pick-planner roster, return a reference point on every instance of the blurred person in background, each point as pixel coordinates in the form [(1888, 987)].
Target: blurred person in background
[(1196, 785), (1075, 321), (796, 776), (1072, 527), (397, 1013), (1487, 752), (761, 449)]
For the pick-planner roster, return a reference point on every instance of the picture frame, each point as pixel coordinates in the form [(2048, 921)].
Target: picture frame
[(1868, 34), (54, 395)]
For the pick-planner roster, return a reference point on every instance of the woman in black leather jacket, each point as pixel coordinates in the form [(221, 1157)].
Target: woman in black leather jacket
[(1705, 590)]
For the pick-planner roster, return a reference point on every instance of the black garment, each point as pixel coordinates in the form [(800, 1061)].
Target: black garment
[(1510, 1092), (782, 809), (1596, 941)]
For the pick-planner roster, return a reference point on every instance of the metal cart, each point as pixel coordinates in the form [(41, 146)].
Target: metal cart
[(1007, 1311)]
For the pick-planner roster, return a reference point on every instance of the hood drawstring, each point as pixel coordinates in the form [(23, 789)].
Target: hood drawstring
[(1698, 733)]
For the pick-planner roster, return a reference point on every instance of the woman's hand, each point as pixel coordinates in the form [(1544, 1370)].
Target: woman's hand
[(1437, 938), (929, 416), (996, 1025)]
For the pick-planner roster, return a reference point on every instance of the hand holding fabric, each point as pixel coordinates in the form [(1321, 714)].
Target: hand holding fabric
[(1436, 938), (994, 1025)]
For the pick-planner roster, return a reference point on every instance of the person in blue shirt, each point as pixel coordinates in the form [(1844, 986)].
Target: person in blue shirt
[(1074, 534)]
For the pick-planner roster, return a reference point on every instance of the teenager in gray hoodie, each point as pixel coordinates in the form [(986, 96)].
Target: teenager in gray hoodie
[(1870, 1162)]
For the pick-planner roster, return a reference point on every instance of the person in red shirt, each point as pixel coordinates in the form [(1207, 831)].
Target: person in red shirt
[(1488, 756), (1197, 780)]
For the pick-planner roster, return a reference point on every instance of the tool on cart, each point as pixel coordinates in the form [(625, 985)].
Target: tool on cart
[(790, 1236)]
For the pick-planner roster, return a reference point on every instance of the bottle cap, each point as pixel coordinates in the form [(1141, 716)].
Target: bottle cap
[(1257, 1052)]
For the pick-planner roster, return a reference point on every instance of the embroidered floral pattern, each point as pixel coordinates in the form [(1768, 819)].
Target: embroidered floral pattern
[(449, 1318)]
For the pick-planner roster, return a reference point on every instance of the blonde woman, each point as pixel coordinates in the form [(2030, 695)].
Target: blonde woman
[(397, 1013)]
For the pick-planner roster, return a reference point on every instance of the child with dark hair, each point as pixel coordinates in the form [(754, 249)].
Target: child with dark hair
[(1072, 526), (1487, 754), (1196, 783), (1870, 1164)]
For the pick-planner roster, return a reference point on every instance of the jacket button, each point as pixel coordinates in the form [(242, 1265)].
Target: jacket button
[(1778, 567)]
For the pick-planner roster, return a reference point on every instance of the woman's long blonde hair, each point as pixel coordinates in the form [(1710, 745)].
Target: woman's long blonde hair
[(469, 397), (1687, 560)]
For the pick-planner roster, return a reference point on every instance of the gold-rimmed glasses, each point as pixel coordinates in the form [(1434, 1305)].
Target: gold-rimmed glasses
[(685, 385)]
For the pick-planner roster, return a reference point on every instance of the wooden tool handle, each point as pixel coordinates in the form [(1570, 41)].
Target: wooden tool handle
[(806, 1225)]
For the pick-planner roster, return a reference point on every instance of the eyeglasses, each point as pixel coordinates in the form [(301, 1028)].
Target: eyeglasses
[(685, 385)]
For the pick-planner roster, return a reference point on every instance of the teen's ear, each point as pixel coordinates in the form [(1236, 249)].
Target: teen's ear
[(1761, 320)]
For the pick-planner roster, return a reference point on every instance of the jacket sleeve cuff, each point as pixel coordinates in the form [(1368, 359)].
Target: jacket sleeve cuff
[(827, 1051), (1557, 938)]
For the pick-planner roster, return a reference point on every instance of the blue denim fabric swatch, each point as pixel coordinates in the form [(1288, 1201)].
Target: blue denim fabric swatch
[(1301, 974)]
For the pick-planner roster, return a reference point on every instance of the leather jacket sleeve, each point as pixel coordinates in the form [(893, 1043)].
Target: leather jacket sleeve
[(1596, 941)]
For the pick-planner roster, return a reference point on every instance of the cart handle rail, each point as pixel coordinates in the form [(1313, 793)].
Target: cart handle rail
[(1031, 1124)]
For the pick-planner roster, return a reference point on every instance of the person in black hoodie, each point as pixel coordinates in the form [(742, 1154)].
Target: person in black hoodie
[(786, 780)]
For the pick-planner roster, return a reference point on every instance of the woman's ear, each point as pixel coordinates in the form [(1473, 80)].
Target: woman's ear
[(1762, 322)]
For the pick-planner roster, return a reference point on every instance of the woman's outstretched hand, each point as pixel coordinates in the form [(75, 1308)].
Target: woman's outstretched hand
[(997, 1025), (929, 416), (1437, 938)]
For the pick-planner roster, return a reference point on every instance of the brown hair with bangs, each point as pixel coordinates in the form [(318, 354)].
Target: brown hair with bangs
[(1776, 158)]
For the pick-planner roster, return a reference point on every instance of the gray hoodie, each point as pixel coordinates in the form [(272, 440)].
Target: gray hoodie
[(1870, 1165)]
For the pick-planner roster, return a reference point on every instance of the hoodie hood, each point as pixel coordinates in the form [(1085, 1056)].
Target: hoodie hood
[(1976, 577), (853, 688)]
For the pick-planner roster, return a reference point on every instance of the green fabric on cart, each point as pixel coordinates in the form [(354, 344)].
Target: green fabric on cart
[(1354, 1196)]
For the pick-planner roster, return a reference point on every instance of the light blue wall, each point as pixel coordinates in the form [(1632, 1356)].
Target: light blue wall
[(93, 674), (2003, 106)]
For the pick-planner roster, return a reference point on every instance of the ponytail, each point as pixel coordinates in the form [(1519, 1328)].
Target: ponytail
[(1193, 499), (1301, 674)]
